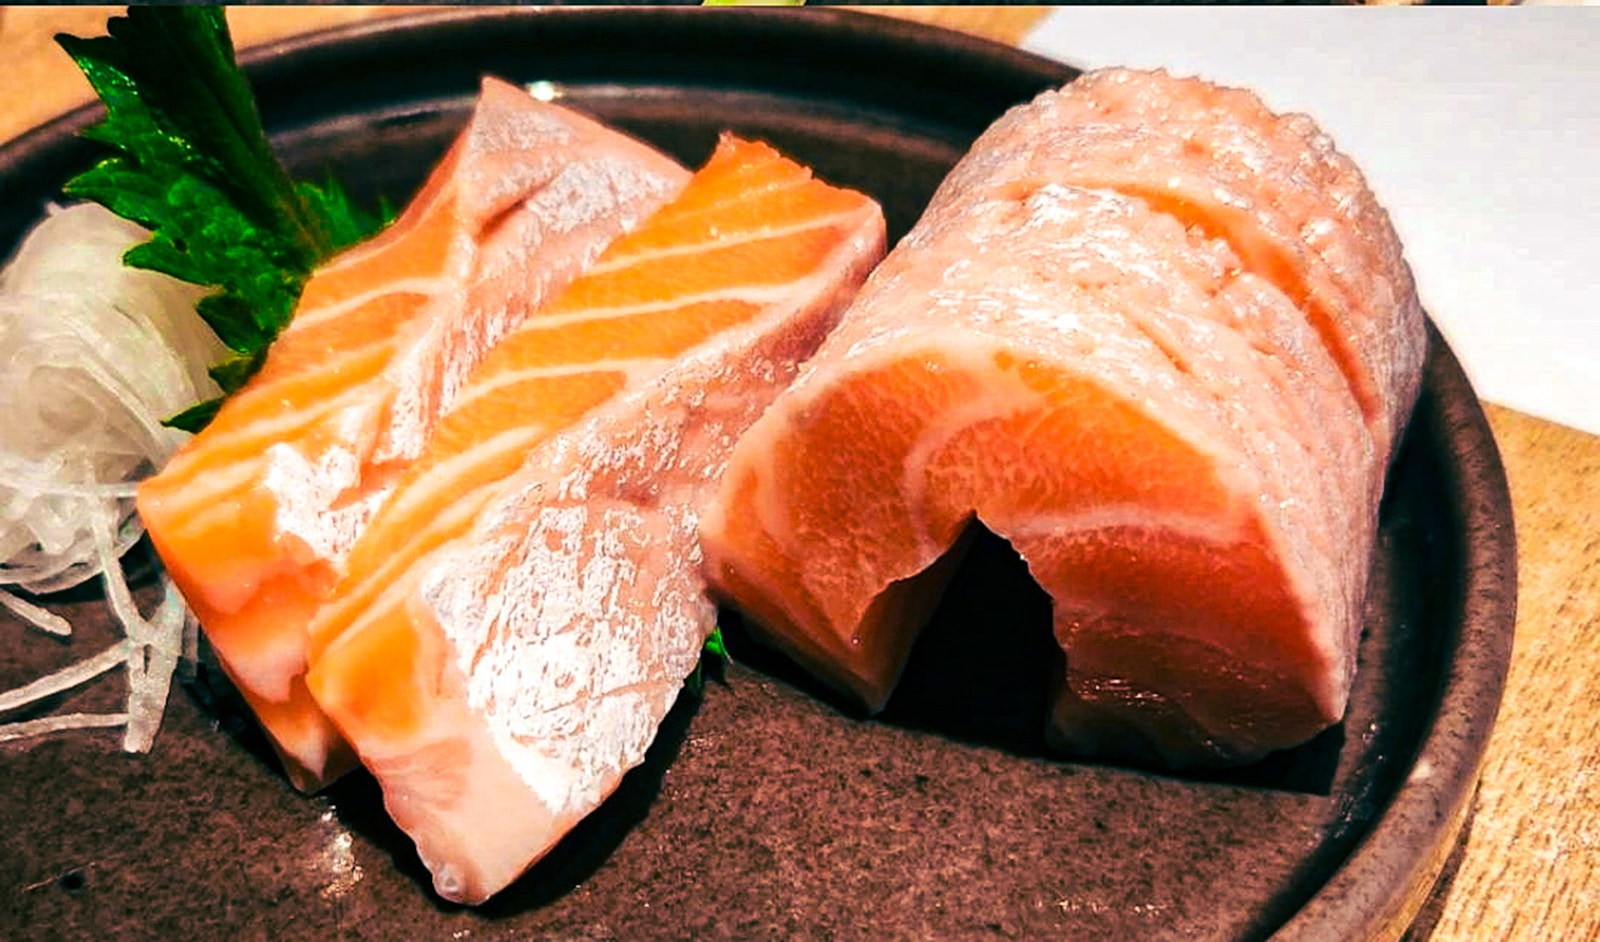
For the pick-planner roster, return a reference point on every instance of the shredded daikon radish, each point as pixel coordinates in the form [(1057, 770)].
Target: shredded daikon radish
[(93, 355)]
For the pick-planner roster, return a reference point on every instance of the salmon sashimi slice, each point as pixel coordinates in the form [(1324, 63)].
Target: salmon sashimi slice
[(520, 616), (1296, 211), (1158, 429), (254, 517)]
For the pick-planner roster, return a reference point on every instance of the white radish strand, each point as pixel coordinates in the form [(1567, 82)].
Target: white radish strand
[(29, 729), (65, 679), (93, 355), (41, 618)]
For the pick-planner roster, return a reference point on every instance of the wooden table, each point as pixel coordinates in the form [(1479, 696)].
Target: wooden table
[(1530, 867)]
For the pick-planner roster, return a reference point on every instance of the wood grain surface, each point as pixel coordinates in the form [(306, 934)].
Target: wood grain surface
[(1529, 870)]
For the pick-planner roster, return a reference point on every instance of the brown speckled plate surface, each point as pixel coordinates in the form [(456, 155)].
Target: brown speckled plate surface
[(765, 810)]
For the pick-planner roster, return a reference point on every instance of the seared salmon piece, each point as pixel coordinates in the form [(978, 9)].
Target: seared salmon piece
[(254, 517)]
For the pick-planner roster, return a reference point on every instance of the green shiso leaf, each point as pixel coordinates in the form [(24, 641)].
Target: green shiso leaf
[(191, 162)]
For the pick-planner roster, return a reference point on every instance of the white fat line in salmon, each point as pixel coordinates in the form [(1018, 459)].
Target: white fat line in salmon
[(1203, 529), (397, 574), (754, 295), (441, 476), (722, 240), (423, 288), (275, 428), (745, 196), (395, 570), (272, 391), (193, 505), (637, 370), (1004, 395), (749, 194)]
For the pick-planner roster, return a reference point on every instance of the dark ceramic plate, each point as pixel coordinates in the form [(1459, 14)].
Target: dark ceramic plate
[(765, 811)]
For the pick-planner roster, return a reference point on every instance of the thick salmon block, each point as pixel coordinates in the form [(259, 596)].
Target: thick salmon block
[(1157, 427), (254, 517), (519, 618)]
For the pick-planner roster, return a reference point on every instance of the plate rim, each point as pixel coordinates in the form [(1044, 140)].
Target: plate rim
[(1377, 890)]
